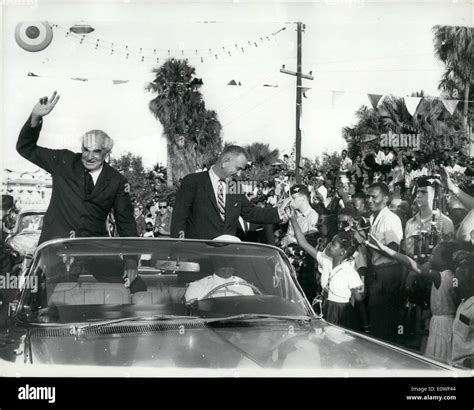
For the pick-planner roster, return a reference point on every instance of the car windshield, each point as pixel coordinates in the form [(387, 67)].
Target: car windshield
[(82, 280)]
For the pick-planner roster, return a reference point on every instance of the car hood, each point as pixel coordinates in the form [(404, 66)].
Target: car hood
[(248, 344)]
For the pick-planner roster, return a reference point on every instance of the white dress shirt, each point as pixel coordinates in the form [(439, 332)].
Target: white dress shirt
[(307, 222), (200, 288), (214, 182), (95, 174), (387, 228), (342, 278), (415, 225)]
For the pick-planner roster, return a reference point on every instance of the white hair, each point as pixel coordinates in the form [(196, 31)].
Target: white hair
[(91, 136)]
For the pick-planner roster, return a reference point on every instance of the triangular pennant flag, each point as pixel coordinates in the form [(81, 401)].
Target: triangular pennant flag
[(336, 96), (30, 74), (119, 81), (450, 105), (232, 82), (412, 104), (382, 100), (374, 99), (80, 79)]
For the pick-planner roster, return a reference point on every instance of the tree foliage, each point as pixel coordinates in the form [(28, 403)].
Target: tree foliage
[(261, 154), (439, 130), (454, 46), (141, 181)]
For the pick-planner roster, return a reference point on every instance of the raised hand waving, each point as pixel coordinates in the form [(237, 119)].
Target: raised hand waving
[(44, 106)]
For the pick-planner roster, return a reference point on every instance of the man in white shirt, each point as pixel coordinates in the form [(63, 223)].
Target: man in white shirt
[(453, 167), (221, 283), (320, 190), (409, 176), (385, 276), (346, 163), (422, 221), (307, 217)]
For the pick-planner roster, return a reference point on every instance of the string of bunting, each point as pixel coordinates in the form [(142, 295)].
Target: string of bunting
[(376, 100), (157, 54), (411, 103)]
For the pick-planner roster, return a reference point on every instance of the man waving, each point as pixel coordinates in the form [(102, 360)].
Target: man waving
[(85, 187)]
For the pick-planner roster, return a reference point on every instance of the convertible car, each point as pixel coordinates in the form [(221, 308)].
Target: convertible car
[(213, 306)]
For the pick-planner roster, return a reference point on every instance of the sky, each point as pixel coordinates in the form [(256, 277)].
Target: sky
[(353, 46)]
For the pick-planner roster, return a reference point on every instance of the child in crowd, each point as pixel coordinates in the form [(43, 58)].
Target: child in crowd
[(341, 283)]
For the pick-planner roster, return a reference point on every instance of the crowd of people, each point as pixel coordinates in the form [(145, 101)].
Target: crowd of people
[(382, 244), (385, 247)]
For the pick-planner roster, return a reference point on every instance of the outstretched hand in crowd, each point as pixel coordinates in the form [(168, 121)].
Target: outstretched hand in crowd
[(446, 181), (374, 243), (290, 212)]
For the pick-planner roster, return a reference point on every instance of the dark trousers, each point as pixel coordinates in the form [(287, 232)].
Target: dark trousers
[(384, 301)]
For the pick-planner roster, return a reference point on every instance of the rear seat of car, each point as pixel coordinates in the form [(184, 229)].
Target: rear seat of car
[(90, 293), (73, 293), (160, 295)]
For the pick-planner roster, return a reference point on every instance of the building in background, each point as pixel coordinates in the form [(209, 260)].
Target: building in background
[(28, 188)]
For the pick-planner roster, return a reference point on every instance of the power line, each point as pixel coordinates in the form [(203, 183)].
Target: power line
[(257, 105), (260, 83)]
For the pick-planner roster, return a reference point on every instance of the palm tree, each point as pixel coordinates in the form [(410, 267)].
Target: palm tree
[(192, 132), (261, 154), (262, 158), (454, 46)]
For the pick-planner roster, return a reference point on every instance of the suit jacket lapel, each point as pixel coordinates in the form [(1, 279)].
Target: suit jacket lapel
[(210, 191)]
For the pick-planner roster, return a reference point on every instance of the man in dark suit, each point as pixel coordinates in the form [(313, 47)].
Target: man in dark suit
[(208, 204), (85, 187)]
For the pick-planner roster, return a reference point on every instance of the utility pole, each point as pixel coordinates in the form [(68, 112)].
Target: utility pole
[(300, 27)]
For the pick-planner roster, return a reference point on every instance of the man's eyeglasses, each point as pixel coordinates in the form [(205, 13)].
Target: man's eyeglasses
[(162, 207)]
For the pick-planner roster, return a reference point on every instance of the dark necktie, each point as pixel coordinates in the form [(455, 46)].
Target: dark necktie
[(220, 199), (89, 183)]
